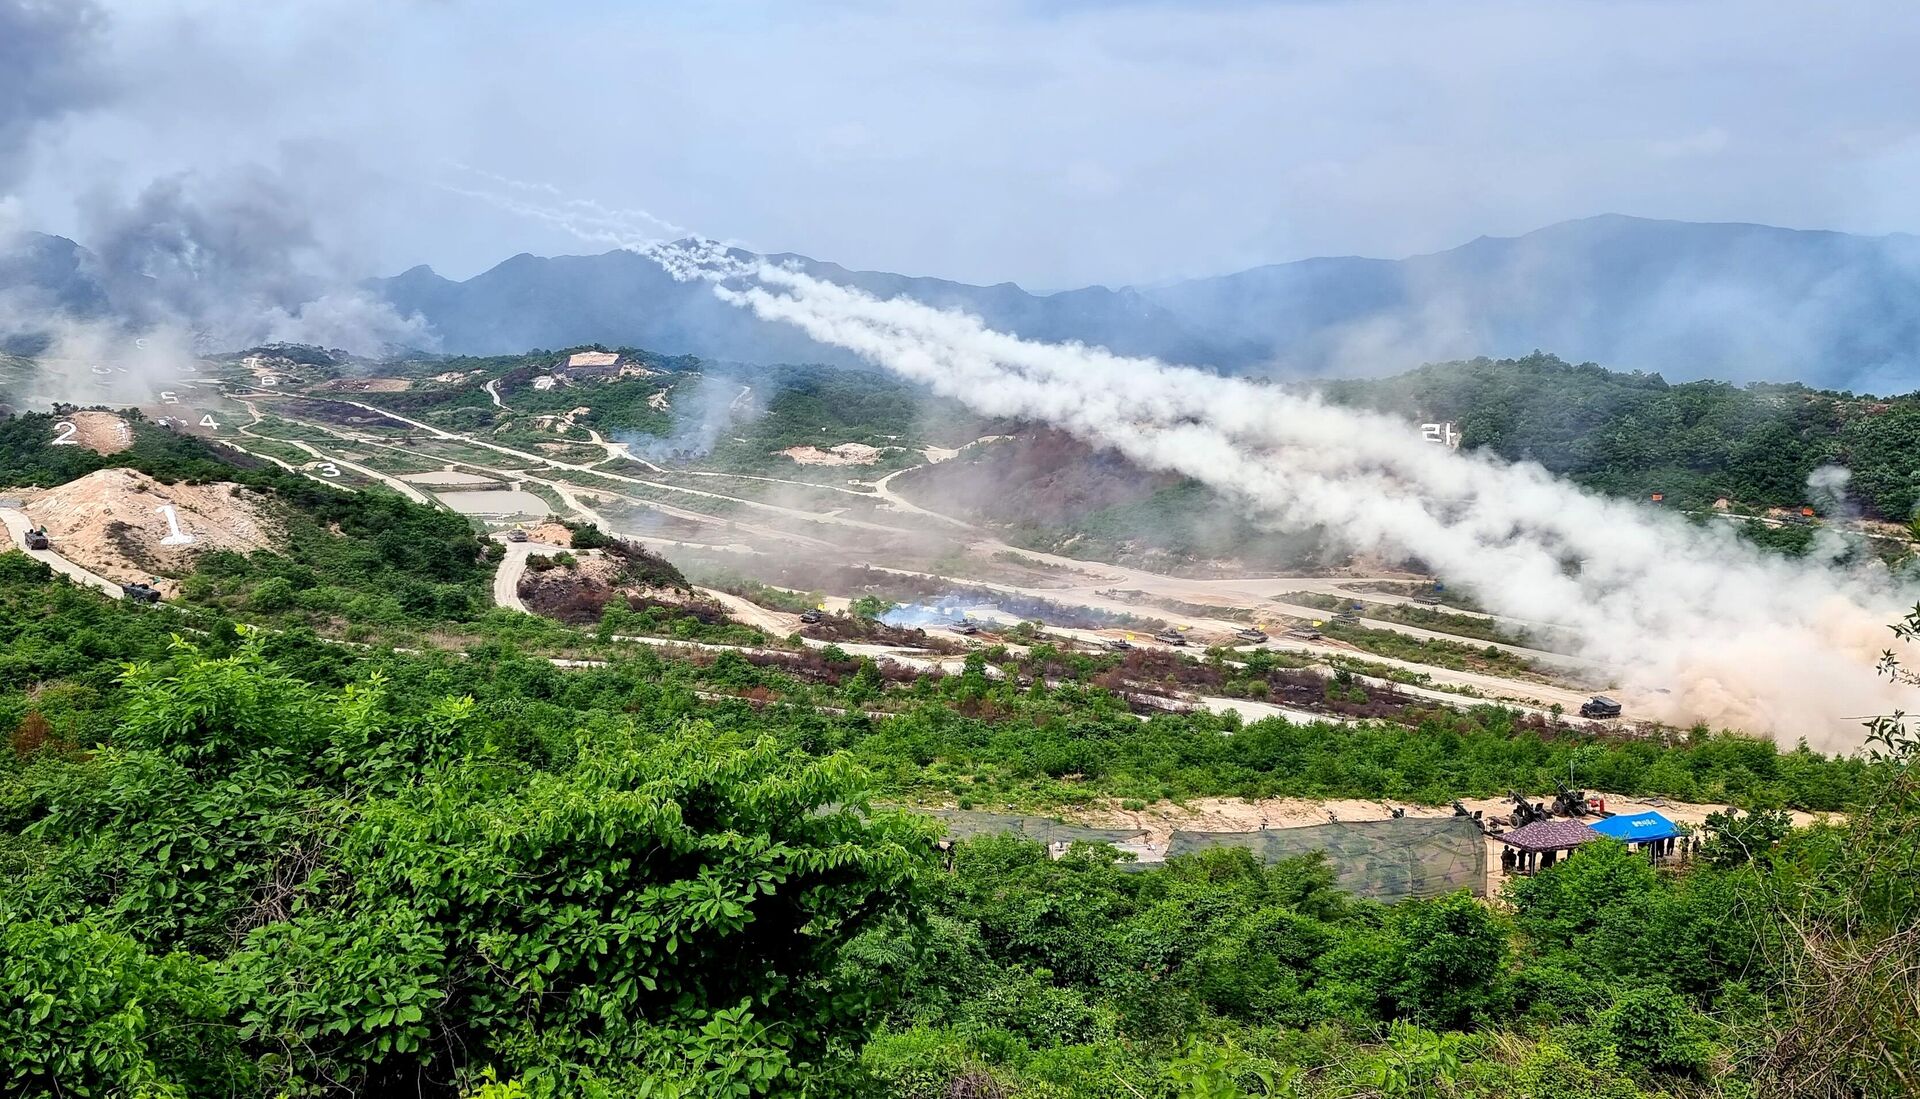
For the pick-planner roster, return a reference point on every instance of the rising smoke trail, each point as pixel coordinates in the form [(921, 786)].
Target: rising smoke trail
[(1699, 625)]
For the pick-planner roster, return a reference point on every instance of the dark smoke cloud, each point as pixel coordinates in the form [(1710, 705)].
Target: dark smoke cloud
[(47, 70), (236, 260)]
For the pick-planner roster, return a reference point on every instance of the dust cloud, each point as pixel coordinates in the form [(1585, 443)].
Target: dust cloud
[(1701, 626)]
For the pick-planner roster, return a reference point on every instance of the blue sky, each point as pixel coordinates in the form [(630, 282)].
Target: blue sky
[(1053, 144)]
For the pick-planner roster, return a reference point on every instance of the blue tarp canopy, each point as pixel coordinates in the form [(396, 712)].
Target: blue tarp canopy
[(1636, 827)]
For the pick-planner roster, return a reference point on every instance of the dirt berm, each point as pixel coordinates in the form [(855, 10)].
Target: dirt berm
[(116, 522)]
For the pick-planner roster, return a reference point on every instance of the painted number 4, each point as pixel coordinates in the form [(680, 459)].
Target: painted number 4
[(175, 536)]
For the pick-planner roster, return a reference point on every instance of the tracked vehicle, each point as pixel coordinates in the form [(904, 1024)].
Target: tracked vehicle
[(140, 593), (1600, 706)]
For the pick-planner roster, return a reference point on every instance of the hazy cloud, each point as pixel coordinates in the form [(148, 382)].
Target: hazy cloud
[(48, 68), (1053, 144)]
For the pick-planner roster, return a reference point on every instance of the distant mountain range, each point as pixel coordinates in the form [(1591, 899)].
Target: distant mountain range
[(1740, 302)]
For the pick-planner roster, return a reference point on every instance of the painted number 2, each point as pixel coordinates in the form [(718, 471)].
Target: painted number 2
[(66, 434), (175, 536)]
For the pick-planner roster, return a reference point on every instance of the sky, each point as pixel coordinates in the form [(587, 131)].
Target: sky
[(1054, 143)]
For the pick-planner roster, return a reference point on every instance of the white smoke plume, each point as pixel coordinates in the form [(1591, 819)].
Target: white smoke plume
[(1699, 625)]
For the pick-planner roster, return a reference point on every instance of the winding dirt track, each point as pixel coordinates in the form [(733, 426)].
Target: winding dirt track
[(1097, 576)]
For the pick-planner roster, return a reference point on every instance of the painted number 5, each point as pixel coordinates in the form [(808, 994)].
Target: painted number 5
[(175, 536)]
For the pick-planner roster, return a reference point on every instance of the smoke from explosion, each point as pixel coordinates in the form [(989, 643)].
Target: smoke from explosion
[(1700, 625), (1696, 624)]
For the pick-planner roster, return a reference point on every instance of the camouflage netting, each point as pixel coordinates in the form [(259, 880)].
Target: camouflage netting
[(968, 823), (1383, 860)]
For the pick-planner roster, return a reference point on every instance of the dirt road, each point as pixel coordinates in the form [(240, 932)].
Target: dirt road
[(506, 579), (18, 524)]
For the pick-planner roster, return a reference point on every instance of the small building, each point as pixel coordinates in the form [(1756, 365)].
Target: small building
[(1536, 846), (592, 364), (1649, 831)]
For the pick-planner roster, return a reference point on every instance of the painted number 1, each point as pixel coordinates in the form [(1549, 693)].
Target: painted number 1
[(175, 536)]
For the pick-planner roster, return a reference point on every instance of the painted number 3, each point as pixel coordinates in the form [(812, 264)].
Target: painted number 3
[(328, 469)]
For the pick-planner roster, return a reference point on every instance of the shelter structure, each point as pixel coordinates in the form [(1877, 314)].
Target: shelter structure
[(1648, 831), (1536, 846), (592, 364)]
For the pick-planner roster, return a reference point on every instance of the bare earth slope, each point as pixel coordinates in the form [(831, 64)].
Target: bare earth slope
[(125, 525)]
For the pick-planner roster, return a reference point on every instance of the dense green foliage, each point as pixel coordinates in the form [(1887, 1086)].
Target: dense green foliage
[(289, 866), (28, 456), (262, 886), (1634, 434)]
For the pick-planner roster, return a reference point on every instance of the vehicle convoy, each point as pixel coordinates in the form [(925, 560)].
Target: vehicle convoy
[(1170, 637), (141, 593), (37, 539), (1600, 706)]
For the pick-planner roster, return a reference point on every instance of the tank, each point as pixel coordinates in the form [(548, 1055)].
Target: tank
[(1170, 637), (1600, 706), (964, 628), (516, 536), (1252, 636), (1118, 644), (37, 540), (140, 593), (812, 618)]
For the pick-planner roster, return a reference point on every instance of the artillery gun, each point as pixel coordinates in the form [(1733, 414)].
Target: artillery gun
[(1525, 812)]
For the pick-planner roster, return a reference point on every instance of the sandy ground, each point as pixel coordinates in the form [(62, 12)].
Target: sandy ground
[(114, 522), (448, 478), (377, 385), (100, 432), (846, 454)]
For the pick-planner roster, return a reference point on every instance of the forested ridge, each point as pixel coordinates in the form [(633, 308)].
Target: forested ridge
[(244, 853), (1635, 434), (239, 862)]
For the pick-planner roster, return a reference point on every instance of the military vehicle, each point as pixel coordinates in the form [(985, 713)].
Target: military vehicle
[(1600, 706), (1118, 644), (1304, 633), (1252, 636), (964, 628), (37, 539), (812, 617), (516, 535), (140, 593), (1170, 637)]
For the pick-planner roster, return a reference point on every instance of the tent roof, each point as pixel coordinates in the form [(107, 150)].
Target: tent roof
[(1637, 827), (1549, 835)]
